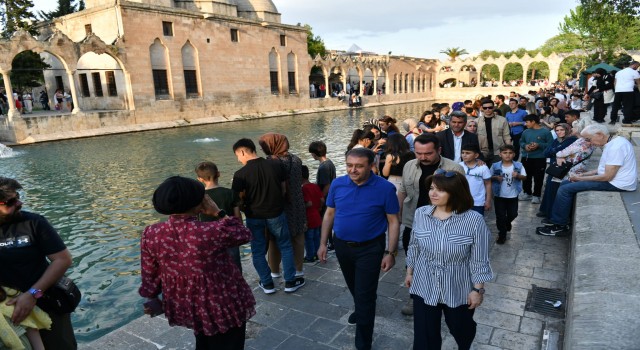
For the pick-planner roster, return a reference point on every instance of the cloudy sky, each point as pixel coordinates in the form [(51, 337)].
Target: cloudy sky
[(422, 28)]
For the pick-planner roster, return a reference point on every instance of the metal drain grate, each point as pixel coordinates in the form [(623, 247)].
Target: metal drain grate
[(540, 300)]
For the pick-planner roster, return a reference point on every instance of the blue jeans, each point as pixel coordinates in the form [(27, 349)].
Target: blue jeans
[(565, 196), (549, 196), (278, 228), (312, 242)]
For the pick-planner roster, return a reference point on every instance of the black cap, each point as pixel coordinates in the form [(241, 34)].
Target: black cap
[(177, 195)]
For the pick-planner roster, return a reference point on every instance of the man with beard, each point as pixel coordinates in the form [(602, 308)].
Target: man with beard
[(33, 259)]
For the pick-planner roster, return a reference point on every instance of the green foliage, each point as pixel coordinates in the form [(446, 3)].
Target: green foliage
[(454, 52), (563, 42), (315, 44), (538, 70), (629, 7), (64, 7), (513, 71), (489, 72), (26, 70), (15, 15)]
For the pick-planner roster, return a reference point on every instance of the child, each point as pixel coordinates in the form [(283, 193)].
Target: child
[(13, 336), (208, 175), (478, 176), (313, 200), (533, 142), (507, 176)]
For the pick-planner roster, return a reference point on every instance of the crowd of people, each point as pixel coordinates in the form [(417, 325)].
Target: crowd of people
[(424, 183), (25, 101)]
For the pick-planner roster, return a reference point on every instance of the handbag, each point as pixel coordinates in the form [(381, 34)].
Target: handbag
[(609, 96), (560, 171), (61, 298), (597, 95)]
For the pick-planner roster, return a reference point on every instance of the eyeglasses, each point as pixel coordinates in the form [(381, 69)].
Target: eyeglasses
[(487, 107), (11, 202), (445, 173)]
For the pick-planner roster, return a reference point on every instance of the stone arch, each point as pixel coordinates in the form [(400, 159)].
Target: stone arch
[(489, 74), (353, 78), (160, 70), (101, 81), (191, 70), (537, 70), (381, 81), (367, 80), (292, 73), (405, 82), (317, 74), (513, 73), (274, 71), (337, 79), (450, 82), (467, 75), (571, 66)]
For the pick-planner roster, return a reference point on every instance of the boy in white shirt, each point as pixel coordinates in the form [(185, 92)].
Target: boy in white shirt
[(507, 177), (478, 177)]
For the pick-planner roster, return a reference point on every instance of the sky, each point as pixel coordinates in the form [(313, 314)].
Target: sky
[(422, 28)]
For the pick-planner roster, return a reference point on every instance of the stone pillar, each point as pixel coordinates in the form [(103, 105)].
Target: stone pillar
[(12, 112), (524, 74), (554, 71), (74, 93), (344, 82), (360, 86), (327, 94), (375, 83), (501, 75)]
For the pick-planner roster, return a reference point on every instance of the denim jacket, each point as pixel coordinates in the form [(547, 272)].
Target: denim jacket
[(496, 170)]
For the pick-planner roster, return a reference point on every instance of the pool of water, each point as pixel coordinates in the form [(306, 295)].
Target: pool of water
[(97, 193)]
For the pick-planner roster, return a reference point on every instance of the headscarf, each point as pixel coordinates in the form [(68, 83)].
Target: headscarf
[(274, 144), (567, 129), (177, 194), (457, 106), (409, 125)]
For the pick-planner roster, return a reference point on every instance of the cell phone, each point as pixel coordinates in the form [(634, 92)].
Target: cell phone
[(153, 307)]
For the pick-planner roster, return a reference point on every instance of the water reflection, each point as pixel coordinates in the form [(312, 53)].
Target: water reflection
[(97, 193)]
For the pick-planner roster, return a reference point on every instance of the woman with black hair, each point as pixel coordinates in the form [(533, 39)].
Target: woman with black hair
[(397, 154)]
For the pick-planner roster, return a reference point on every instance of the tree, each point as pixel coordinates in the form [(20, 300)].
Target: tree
[(315, 44), (454, 52), (16, 14), (26, 70), (630, 7), (64, 7)]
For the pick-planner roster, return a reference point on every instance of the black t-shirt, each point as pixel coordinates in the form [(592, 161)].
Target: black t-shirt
[(261, 180), (24, 246), (487, 123), (224, 199), (396, 169), (427, 170)]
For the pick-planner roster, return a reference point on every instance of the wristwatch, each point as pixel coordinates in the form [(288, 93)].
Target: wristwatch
[(222, 214), (36, 293), (394, 253), (478, 290)]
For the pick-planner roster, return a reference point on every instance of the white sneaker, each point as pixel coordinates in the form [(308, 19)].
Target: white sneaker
[(276, 275), (535, 200), (524, 197), (299, 273)]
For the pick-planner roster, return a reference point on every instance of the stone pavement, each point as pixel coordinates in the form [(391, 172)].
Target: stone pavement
[(315, 317)]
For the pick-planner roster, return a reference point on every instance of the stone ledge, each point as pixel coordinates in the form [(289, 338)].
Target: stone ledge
[(603, 275)]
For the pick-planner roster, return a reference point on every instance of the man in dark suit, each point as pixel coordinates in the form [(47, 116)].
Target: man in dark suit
[(453, 138)]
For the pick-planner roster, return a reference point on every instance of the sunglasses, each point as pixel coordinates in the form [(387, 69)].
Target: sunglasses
[(11, 202), (487, 107), (445, 173)]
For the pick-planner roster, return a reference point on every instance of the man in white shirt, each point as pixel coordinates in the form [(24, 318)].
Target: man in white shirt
[(617, 171), (626, 80)]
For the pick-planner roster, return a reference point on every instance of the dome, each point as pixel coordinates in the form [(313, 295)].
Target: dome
[(256, 6)]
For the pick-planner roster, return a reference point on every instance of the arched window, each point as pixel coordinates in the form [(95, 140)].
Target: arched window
[(400, 83), (160, 70), (395, 83), (190, 67), (412, 83), (406, 83), (291, 73), (274, 72)]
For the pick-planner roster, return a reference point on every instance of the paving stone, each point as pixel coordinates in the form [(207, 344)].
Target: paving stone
[(334, 278), (503, 291), (531, 326), (512, 269), (386, 342), (268, 339), (345, 300), (294, 322), (513, 340), (267, 313), (177, 338), (509, 306), (323, 330), (346, 339), (388, 289), (483, 334), (298, 343), (549, 275), (122, 340), (521, 282), (485, 347), (497, 319), (530, 258)]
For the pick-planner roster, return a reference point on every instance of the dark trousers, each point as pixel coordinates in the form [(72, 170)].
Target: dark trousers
[(61, 336), (361, 269), (535, 168), (549, 196), (599, 109), (233, 339), (516, 142), (406, 237), (626, 100), (427, 320), (506, 211)]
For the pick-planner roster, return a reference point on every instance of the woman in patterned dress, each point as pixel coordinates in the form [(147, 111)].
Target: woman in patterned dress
[(186, 261)]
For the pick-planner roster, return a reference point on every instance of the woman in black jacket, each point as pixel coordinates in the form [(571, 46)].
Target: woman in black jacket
[(603, 82)]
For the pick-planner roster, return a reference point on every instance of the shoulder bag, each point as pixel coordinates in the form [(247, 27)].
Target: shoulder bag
[(560, 171)]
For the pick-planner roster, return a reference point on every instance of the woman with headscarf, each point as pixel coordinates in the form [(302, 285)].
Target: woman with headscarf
[(563, 140), (411, 131), (186, 261), (276, 146)]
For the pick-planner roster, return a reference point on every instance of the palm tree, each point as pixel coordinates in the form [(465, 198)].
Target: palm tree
[(454, 52)]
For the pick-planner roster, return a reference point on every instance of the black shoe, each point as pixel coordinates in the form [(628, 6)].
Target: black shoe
[(330, 247), (613, 122), (547, 222), (292, 286), (268, 288), (541, 214), (352, 319), (509, 227), (627, 121), (309, 260), (501, 239), (555, 230)]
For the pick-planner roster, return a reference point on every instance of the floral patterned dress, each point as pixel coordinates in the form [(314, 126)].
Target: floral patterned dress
[(574, 153), (186, 260)]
